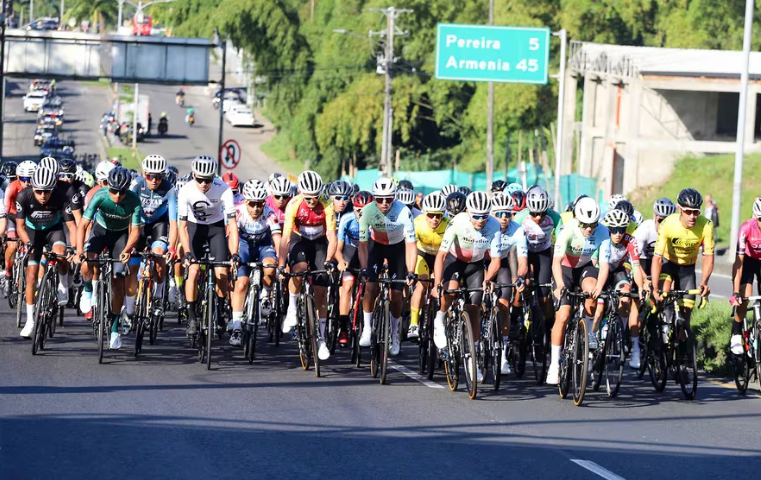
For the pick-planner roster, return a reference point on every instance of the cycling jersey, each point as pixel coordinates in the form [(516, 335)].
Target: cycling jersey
[(575, 249), (260, 230), (538, 235), (41, 217), (429, 240), (206, 208), (646, 236), (348, 230), (467, 244), (11, 192), (270, 202), (73, 200), (310, 223), (387, 229), (91, 193), (114, 216), (514, 237), (749, 239), (681, 245), (615, 254), (158, 203), (416, 212)]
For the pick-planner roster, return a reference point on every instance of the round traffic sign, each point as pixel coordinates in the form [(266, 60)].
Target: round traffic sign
[(230, 154)]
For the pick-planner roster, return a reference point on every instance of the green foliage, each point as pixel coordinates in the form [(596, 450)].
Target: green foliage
[(712, 327)]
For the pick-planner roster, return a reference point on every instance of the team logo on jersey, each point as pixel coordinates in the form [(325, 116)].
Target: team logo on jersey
[(200, 210)]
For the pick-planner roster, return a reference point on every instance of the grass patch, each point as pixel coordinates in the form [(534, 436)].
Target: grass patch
[(126, 155), (712, 328), (103, 82), (279, 149), (710, 175)]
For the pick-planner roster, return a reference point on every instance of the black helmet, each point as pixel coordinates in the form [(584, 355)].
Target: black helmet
[(498, 185), (456, 203), (405, 185), (119, 179), (172, 168), (689, 198), (171, 177), (354, 189), (67, 165), (626, 207), (465, 190), (339, 188), (9, 169), (572, 205)]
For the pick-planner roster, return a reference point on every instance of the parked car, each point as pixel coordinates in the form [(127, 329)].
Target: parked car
[(240, 116), (33, 100)]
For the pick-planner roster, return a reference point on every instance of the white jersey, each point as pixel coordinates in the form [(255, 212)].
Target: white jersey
[(3, 213), (646, 235), (206, 208)]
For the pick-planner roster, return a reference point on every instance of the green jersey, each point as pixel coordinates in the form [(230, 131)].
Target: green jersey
[(114, 216)]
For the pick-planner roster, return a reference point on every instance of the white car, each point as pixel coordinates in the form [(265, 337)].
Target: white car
[(34, 100), (240, 116)]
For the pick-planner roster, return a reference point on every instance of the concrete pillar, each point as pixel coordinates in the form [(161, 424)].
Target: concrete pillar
[(634, 100), (589, 106), (569, 115), (750, 119)]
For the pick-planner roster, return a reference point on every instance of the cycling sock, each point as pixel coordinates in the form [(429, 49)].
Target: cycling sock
[(178, 281), (8, 268), (115, 323), (414, 314), (29, 312), (64, 280), (343, 320), (394, 327), (323, 321), (635, 344), (159, 290), (737, 328), (129, 304), (293, 301), (88, 286), (368, 318), (237, 318), (555, 355)]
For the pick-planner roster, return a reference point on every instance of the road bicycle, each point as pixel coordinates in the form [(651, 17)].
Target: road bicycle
[(428, 354), (357, 318), (528, 336), (307, 330), (381, 326), (574, 357), (748, 364), (46, 308), (16, 299), (461, 346), (148, 311), (102, 319), (490, 342), (332, 325), (608, 359), (252, 311)]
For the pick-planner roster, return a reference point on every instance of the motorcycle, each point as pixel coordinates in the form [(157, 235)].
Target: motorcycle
[(191, 119), (180, 100), (163, 127)]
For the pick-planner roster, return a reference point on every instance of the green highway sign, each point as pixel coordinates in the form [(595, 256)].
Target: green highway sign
[(484, 53)]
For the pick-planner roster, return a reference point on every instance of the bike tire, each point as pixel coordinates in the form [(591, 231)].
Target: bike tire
[(254, 317), (468, 355), (100, 316), (331, 325), (422, 356), (140, 320), (614, 359), (39, 328), (355, 356), (519, 356), (386, 342), (495, 348), (211, 324), (687, 362), (314, 333), (452, 358), (741, 370), (580, 363), (569, 346), (20, 302), (539, 346), (305, 354), (374, 347), (156, 325), (643, 340)]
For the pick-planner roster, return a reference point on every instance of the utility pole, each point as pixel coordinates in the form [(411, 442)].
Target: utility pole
[(490, 120), (2, 75), (119, 17), (223, 43), (561, 113)]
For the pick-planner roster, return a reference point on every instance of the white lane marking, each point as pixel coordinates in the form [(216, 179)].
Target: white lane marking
[(414, 375), (596, 469)]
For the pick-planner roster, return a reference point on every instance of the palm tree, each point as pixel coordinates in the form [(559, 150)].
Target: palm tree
[(102, 11)]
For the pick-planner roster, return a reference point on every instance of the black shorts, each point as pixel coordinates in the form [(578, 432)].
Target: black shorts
[(751, 271), (154, 235), (312, 252), (617, 277), (572, 278), (395, 255), (541, 268), (647, 265), (352, 258), (41, 238), (682, 277), (215, 235), (470, 273), (505, 275), (112, 241)]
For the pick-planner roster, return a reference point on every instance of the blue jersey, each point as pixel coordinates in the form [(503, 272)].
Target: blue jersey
[(156, 203), (348, 229), (514, 237)]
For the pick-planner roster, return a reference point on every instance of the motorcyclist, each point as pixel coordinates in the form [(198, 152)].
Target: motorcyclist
[(163, 123), (190, 111), (180, 97)]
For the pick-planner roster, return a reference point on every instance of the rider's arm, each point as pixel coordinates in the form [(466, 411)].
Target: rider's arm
[(708, 248), (737, 272), (330, 232), (410, 247), (438, 265), (521, 250), (228, 204), (21, 229), (561, 244), (81, 232), (135, 227), (285, 242), (3, 215), (364, 236), (493, 269), (172, 210)]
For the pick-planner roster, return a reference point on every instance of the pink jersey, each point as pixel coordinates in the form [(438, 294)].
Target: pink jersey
[(270, 202), (749, 239)]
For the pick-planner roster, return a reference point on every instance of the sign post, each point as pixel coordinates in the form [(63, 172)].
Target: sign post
[(229, 156)]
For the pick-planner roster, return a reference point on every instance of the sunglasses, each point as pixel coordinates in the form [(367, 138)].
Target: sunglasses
[(659, 219), (311, 199), (435, 216), (117, 192), (341, 198), (538, 214), (65, 176), (691, 212), (281, 197), (154, 176), (585, 226), (479, 217), (503, 214), (204, 180), (25, 179), (42, 192), (617, 230), (255, 204), (384, 200)]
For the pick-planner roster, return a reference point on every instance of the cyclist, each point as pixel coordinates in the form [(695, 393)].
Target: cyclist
[(429, 230), (346, 255), (513, 187), (202, 207), (9, 170), (448, 189), (259, 232), (676, 251), (519, 199), (233, 182), (24, 173), (465, 191), (280, 194), (158, 199), (568, 214), (498, 186), (309, 241), (571, 268), (470, 236), (176, 281), (101, 179), (626, 207), (615, 253), (405, 185), (747, 266), (74, 191), (647, 232), (340, 193), (40, 215), (456, 203), (386, 233), (615, 199), (407, 197)]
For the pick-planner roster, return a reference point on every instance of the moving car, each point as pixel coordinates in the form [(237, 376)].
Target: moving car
[(240, 116), (44, 133), (33, 100)]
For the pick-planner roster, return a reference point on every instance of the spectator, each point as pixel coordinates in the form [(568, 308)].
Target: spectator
[(711, 212)]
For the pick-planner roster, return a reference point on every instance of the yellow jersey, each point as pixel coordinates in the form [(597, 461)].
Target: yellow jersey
[(681, 245), (310, 223), (428, 240)]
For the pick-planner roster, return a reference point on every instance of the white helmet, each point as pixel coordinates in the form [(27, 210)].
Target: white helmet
[(255, 190), (447, 189), (663, 207), (384, 187), (26, 169), (757, 208), (280, 186), (102, 170), (310, 183), (204, 166), (586, 210), (638, 218), (615, 219), (407, 197), (614, 199), (501, 201), (537, 200), (154, 164), (51, 164), (434, 203), (478, 203), (43, 179)]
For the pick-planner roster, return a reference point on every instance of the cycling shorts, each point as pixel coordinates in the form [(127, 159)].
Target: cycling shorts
[(254, 252), (505, 275), (540, 264), (751, 271), (682, 277), (312, 252), (424, 263), (352, 258), (394, 254), (470, 273), (156, 235), (11, 229), (572, 278), (618, 277), (113, 241), (41, 238), (215, 235)]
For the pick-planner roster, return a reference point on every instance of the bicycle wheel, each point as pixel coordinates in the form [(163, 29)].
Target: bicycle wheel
[(38, 333), (757, 352), (331, 322), (566, 357), (157, 323), (643, 352), (614, 358), (422, 349), (580, 362), (741, 370), (495, 348), (354, 334), (375, 351), (140, 321), (20, 282), (468, 355), (539, 346), (100, 317), (314, 332), (519, 355), (305, 349), (385, 341), (253, 325), (452, 360), (211, 323), (687, 361)]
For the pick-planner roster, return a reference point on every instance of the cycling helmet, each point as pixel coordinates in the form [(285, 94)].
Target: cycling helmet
[(255, 190), (50, 163), (280, 186), (456, 203), (626, 207), (407, 197), (465, 190), (434, 203), (67, 165), (340, 188), (89, 180), (172, 168), (615, 219), (310, 183), (586, 210), (537, 200), (501, 201), (478, 203), (689, 198), (384, 187), (133, 173), (9, 169), (448, 189), (663, 207), (80, 175), (102, 171), (43, 179), (498, 186), (119, 179), (354, 189), (26, 169), (154, 164), (171, 177), (519, 197), (572, 205), (362, 198), (405, 185), (614, 199), (204, 166), (294, 190), (757, 208), (514, 187), (637, 217), (231, 180), (273, 177), (182, 181)]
